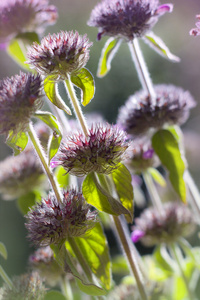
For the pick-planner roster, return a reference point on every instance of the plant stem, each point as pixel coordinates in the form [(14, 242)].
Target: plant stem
[(178, 257), (36, 143), (75, 104), (66, 289), (142, 70), (5, 278), (195, 195), (130, 257), (154, 196)]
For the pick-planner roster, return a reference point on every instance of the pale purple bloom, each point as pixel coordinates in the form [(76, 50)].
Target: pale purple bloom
[(137, 235)]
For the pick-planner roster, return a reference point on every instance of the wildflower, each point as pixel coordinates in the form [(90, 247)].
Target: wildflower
[(18, 16), (20, 175), (43, 261), (50, 222), (19, 100), (126, 18), (60, 54), (100, 152), (141, 156), (138, 115), (154, 227), (26, 286), (196, 31)]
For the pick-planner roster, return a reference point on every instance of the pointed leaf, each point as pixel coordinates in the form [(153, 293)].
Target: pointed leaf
[(85, 81), (167, 148), (51, 90), (108, 52), (62, 177), (17, 141), (122, 179), (54, 145), (159, 46), (3, 251), (157, 176), (52, 295), (95, 195), (5, 278)]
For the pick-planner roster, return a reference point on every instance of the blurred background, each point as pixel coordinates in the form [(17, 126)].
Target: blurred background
[(112, 91)]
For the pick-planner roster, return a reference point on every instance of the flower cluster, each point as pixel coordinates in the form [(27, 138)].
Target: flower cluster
[(172, 106), (100, 152), (19, 99), (17, 16), (154, 227), (60, 54), (49, 222), (126, 18)]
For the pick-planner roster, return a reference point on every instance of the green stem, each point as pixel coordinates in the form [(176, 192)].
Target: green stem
[(66, 289), (142, 70), (76, 106), (176, 252), (6, 279), (36, 143), (194, 192)]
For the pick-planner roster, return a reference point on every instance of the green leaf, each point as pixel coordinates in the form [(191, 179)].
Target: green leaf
[(166, 147), (17, 141), (5, 278), (54, 295), (25, 202), (85, 81), (179, 291), (157, 176), (54, 145), (51, 90), (94, 248), (17, 48), (3, 251), (162, 260), (62, 177), (122, 180), (159, 46), (119, 265), (95, 195), (107, 54)]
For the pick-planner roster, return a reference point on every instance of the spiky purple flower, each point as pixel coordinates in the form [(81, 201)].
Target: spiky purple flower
[(50, 222), (154, 227), (196, 31), (100, 152), (17, 16), (60, 54), (19, 99), (138, 115), (126, 18)]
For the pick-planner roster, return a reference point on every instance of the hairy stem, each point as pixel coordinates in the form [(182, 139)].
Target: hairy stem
[(42, 156)]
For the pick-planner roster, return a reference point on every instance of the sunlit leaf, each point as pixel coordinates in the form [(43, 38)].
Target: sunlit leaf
[(108, 52), (157, 176), (54, 295), (17, 141), (122, 180), (166, 147), (54, 145), (85, 81), (62, 177), (51, 90), (162, 259), (3, 251), (159, 46)]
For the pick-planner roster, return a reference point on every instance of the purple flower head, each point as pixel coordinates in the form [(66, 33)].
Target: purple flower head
[(154, 227), (17, 16), (60, 54), (126, 18), (19, 99), (196, 31), (50, 222), (100, 152), (138, 115)]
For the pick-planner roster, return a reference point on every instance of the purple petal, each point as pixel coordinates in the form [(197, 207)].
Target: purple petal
[(148, 154), (54, 164), (162, 9), (137, 235), (3, 46)]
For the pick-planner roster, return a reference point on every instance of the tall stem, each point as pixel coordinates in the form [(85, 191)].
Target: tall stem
[(66, 289), (36, 143), (130, 257), (141, 68), (76, 106), (194, 192)]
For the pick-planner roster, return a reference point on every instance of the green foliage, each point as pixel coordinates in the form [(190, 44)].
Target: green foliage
[(107, 54), (62, 177), (85, 81), (17, 141), (51, 90), (159, 46), (157, 176), (95, 195), (122, 180), (119, 265), (25, 202), (3, 250), (52, 295), (167, 148), (162, 260)]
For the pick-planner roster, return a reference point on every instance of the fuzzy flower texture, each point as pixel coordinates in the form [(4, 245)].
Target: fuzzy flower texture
[(126, 19), (60, 54), (50, 222), (17, 16), (100, 152)]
